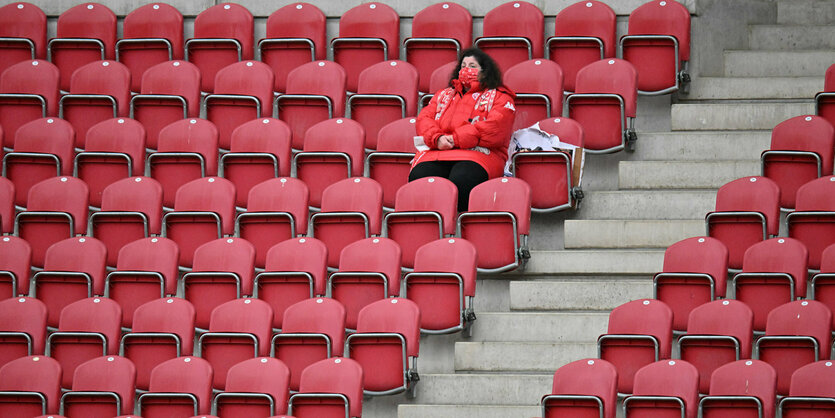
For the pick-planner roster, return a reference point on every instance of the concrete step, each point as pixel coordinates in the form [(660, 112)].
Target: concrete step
[(685, 174), (587, 234), (458, 411), (735, 115), (701, 145), (596, 262), (593, 294), (791, 37), (477, 389), (646, 204), (778, 63), (553, 327), (750, 88), (519, 357), (806, 12)]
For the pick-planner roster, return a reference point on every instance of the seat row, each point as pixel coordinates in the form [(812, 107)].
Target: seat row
[(671, 387), (658, 38)]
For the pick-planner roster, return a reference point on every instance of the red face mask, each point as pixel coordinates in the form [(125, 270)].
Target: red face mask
[(467, 75)]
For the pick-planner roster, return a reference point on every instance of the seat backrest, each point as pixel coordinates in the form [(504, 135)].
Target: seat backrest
[(92, 21), (746, 378), (441, 76), (123, 135), (335, 375), (227, 20), (300, 20), (285, 194), (568, 130), (663, 17), (156, 254), (49, 135), (589, 18), (338, 135), (613, 76), (184, 375), (589, 377), (24, 20), (356, 194), (699, 255), (175, 315), (539, 76), (178, 78), (233, 255), (517, 18), (301, 254), (391, 77), (395, 315), (505, 194), (111, 78), (61, 194), (264, 135), (436, 194), (676, 378), (644, 317), (397, 136), (135, 194), (755, 194), (375, 254), (802, 317), (24, 314), (317, 315), (79, 254), (806, 133), (779, 255), (250, 78), (36, 373), (814, 380), (16, 257), (325, 78), (108, 374), (95, 314), (261, 375), (33, 77), (816, 195), (246, 315), (209, 194), (373, 20), (724, 317), (156, 20), (444, 20), (828, 260), (191, 135), (829, 79), (452, 255)]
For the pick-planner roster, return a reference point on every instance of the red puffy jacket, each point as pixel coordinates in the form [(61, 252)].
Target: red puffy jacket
[(480, 122)]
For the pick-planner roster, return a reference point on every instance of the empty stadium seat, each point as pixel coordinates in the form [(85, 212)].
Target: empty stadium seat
[(329, 388), (151, 34), (439, 33), (810, 394), (15, 266), (538, 85), (295, 270), (296, 34), (658, 45), (98, 91), (497, 222), (22, 328), (512, 32), (186, 150), (243, 91), (801, 150), (667, 385), (368, 33), (85, 33), (146, 270), (259, 150), (28, 91), (824, 99), (23, 36), (390, 163), (43, 149), (812, 220), (823, 283), (583, 386), (604, 102), (747, 212), (639, 333), (180, 386), (695, 272), (101, 386), (741, 387), (254, 387), (584, 32), (223, 34), (170, 92), (30, 386), (7, 207)]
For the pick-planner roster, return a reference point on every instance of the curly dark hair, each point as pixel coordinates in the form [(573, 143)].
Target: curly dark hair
[(490, 76)]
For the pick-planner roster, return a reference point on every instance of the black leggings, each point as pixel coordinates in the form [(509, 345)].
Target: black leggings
[(464, 174)]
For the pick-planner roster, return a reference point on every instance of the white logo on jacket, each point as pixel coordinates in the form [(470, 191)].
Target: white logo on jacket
[(510, 106)]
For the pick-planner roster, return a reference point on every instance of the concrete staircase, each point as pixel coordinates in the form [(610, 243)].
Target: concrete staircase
[(587, 262)]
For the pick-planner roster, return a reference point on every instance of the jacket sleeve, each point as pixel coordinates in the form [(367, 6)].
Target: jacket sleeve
[(491, 132), (427, 126)]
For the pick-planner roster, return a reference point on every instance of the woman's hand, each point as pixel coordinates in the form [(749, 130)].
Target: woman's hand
[(445, 142)]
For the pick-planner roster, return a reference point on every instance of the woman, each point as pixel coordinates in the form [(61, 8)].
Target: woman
[(466, 126)]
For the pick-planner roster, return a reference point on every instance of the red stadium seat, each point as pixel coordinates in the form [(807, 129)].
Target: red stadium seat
[(583, 386), (390, 164), (512, 33), (22, 328), (28, 91), (151, 34), (43, 149), (223, 34), (180, 386), (823, 283), (187, 150), (811, 222), (259, 150), (744, 388), (86, 33), (255, 387), (101, 386), (824, 99), (30, 386), (664, 388), (99, 91), (368, 33), (243, 91), (296, 35), (15, 266), (329, 388), (23, 33), (170, 92), (439, 33), (811, 392), (538, 84), (584, 32)]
